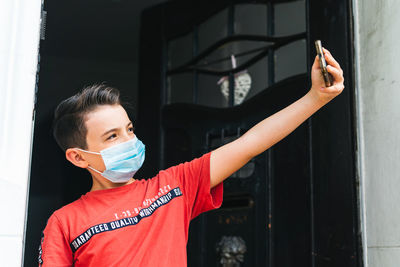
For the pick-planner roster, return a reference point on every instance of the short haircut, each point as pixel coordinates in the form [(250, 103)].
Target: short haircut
[(69, 127)]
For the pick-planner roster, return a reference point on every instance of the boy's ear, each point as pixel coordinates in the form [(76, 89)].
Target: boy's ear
[(75, 157)]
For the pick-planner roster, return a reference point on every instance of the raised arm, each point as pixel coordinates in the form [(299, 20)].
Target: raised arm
[(229, 158)]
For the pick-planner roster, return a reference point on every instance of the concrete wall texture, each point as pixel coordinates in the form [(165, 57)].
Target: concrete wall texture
[(377, 27)]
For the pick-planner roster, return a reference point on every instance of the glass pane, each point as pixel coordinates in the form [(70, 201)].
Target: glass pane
[(290, 60), (251, 19), (259, 77), (220, 59), (290, 18), (210, 93), (213, 29), (248, 82), (180, 51), (180, 88)]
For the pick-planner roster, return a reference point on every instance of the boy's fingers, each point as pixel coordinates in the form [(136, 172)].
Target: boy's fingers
[(336, 73), (331, 60), (326, 51)]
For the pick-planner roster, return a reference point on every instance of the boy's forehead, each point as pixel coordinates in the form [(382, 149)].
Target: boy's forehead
[(106, 117)]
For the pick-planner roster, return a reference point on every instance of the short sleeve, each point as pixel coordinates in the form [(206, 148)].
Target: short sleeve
[(194, 176), (54, 249)]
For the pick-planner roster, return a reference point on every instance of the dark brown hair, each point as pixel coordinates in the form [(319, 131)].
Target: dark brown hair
[(69, 128)]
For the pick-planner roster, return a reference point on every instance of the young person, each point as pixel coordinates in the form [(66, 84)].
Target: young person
[(128, 222)]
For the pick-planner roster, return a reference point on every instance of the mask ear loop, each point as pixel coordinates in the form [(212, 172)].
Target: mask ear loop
[(91, 152), (93, 169)]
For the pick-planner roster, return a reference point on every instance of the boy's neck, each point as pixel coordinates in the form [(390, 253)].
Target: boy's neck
[(102, 183)]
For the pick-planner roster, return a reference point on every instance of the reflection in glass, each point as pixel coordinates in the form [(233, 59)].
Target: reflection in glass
[(259, 74), (290, 60), (251, 19), (180, 51), (220, 59), (214, 29), (290, 18), (209, 92), (180, 88)]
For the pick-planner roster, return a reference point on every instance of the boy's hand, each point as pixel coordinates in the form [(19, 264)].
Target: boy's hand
[(319, 90)]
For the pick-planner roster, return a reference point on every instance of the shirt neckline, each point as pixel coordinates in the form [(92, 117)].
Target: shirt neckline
[(122, 188)]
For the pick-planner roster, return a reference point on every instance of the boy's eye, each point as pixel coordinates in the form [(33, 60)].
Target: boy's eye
[(131, 129), (111, 136)]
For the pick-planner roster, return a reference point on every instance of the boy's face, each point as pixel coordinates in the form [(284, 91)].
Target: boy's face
[(106, 126)]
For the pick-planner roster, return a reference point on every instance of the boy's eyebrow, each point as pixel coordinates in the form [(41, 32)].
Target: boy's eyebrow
[(114, 129)]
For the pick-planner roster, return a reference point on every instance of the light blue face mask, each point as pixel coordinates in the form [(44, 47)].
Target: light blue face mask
[(122, 161)]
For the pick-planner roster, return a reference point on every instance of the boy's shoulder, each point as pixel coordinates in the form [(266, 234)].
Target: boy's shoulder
[(68, 209)]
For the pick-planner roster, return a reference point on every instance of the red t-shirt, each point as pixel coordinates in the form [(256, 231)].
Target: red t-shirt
[(144, 223)]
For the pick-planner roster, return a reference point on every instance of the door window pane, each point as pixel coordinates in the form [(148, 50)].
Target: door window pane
[(180, 51), (290, 18), (180, 88), (213, 29), (259, 77), (220, 59), (210, 93), (290, 60), (251, 19)]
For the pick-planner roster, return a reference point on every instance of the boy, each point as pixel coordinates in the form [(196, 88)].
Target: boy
[(128, 222)]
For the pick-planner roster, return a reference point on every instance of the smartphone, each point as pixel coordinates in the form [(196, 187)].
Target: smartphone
[(322, 63)]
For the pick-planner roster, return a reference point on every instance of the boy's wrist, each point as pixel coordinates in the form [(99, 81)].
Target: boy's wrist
[(315, 98)]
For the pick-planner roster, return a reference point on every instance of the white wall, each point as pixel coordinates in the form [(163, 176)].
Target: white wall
[(19, 28), (378, 89)]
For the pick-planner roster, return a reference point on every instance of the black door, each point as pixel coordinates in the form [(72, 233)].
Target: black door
[(211, 70)]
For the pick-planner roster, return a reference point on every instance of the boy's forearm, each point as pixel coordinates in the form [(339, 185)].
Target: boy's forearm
[(276, 127)]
